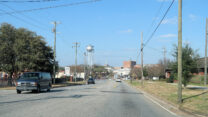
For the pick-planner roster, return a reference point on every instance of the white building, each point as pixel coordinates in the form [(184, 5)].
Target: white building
[(69, 72), (121, 72)]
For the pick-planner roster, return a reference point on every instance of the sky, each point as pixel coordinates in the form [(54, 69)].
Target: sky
[(113, 27)]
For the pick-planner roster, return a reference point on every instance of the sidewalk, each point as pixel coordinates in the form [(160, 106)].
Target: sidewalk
[(53, 85), (193, 86)]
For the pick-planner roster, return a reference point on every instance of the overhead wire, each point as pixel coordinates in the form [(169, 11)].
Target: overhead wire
[(23, 20), (51, 7), (21, 1), (159, 24), (30, 18), (152, 34), (152, 24), (155, 17)]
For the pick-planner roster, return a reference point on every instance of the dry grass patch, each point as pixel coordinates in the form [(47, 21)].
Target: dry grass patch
[(7, 88), (194, 100)]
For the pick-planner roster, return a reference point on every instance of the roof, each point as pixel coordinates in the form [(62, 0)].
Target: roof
[(200, 62)]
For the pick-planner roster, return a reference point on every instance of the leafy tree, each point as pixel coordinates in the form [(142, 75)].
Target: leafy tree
[(145, 72), (99, 71), (7, 54), (189, 65), (22, 50)]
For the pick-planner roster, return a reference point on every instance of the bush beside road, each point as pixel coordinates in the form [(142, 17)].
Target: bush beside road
[(195, 99)]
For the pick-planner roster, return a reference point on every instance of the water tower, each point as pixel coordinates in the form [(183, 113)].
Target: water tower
[(90, 51)]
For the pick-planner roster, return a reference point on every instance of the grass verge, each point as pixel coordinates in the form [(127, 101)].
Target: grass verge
[(194, 101)]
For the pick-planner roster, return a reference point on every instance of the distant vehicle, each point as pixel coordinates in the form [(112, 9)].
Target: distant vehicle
[(91, 81), (34, 81), (118, 80), (155, 78)]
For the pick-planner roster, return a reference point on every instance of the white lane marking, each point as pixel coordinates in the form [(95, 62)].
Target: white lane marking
[(155, 102), (160, 105)]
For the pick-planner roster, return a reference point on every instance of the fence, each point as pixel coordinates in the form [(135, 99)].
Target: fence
[(7, 82), (63, 80), (4, 82)]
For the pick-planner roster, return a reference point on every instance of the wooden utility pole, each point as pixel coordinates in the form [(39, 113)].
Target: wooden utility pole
[(179, 51), (142, 58), (85, 64), (205, 58), (54, 53), (164, 52), (75, 71)]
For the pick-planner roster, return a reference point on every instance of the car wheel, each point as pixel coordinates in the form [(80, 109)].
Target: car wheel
[(38, 89), (18, 92), (49, 88)]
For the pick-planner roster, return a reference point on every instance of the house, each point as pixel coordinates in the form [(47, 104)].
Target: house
[(200, 66), (199, 70)]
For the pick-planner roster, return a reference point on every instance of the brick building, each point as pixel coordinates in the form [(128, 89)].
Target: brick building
[(129, 64)]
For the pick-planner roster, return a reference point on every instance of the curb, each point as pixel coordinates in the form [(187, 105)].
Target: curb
[(53, 86), (160, 102)]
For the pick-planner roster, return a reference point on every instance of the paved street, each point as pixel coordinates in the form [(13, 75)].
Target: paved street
[(104, 99)]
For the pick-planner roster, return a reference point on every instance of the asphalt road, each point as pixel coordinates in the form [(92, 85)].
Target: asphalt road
[(104, 99)]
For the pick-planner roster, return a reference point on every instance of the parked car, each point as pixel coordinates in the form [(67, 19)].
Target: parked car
[(91, 81), (34, 81)]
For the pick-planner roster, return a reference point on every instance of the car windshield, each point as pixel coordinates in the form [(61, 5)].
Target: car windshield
[(30, 76)]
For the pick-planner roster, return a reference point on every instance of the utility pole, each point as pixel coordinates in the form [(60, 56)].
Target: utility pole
[(205, 59), (164, 52), (54, 52), (142, 58), (75, 71), (179, 51), (85, 62)]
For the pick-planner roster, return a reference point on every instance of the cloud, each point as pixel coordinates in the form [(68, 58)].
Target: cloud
[(186, 42), (168, 36), (170, 21), (126, 31), (192, 17)]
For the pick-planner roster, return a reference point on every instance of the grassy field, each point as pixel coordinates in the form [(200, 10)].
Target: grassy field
[(194, 100)]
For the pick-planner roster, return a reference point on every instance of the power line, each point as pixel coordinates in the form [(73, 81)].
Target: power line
[(159, 23), (156, 16), (156, 28), (21, 19), (50, 7), (21, 1), (25, 15), (152, 24), (155, 49)]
